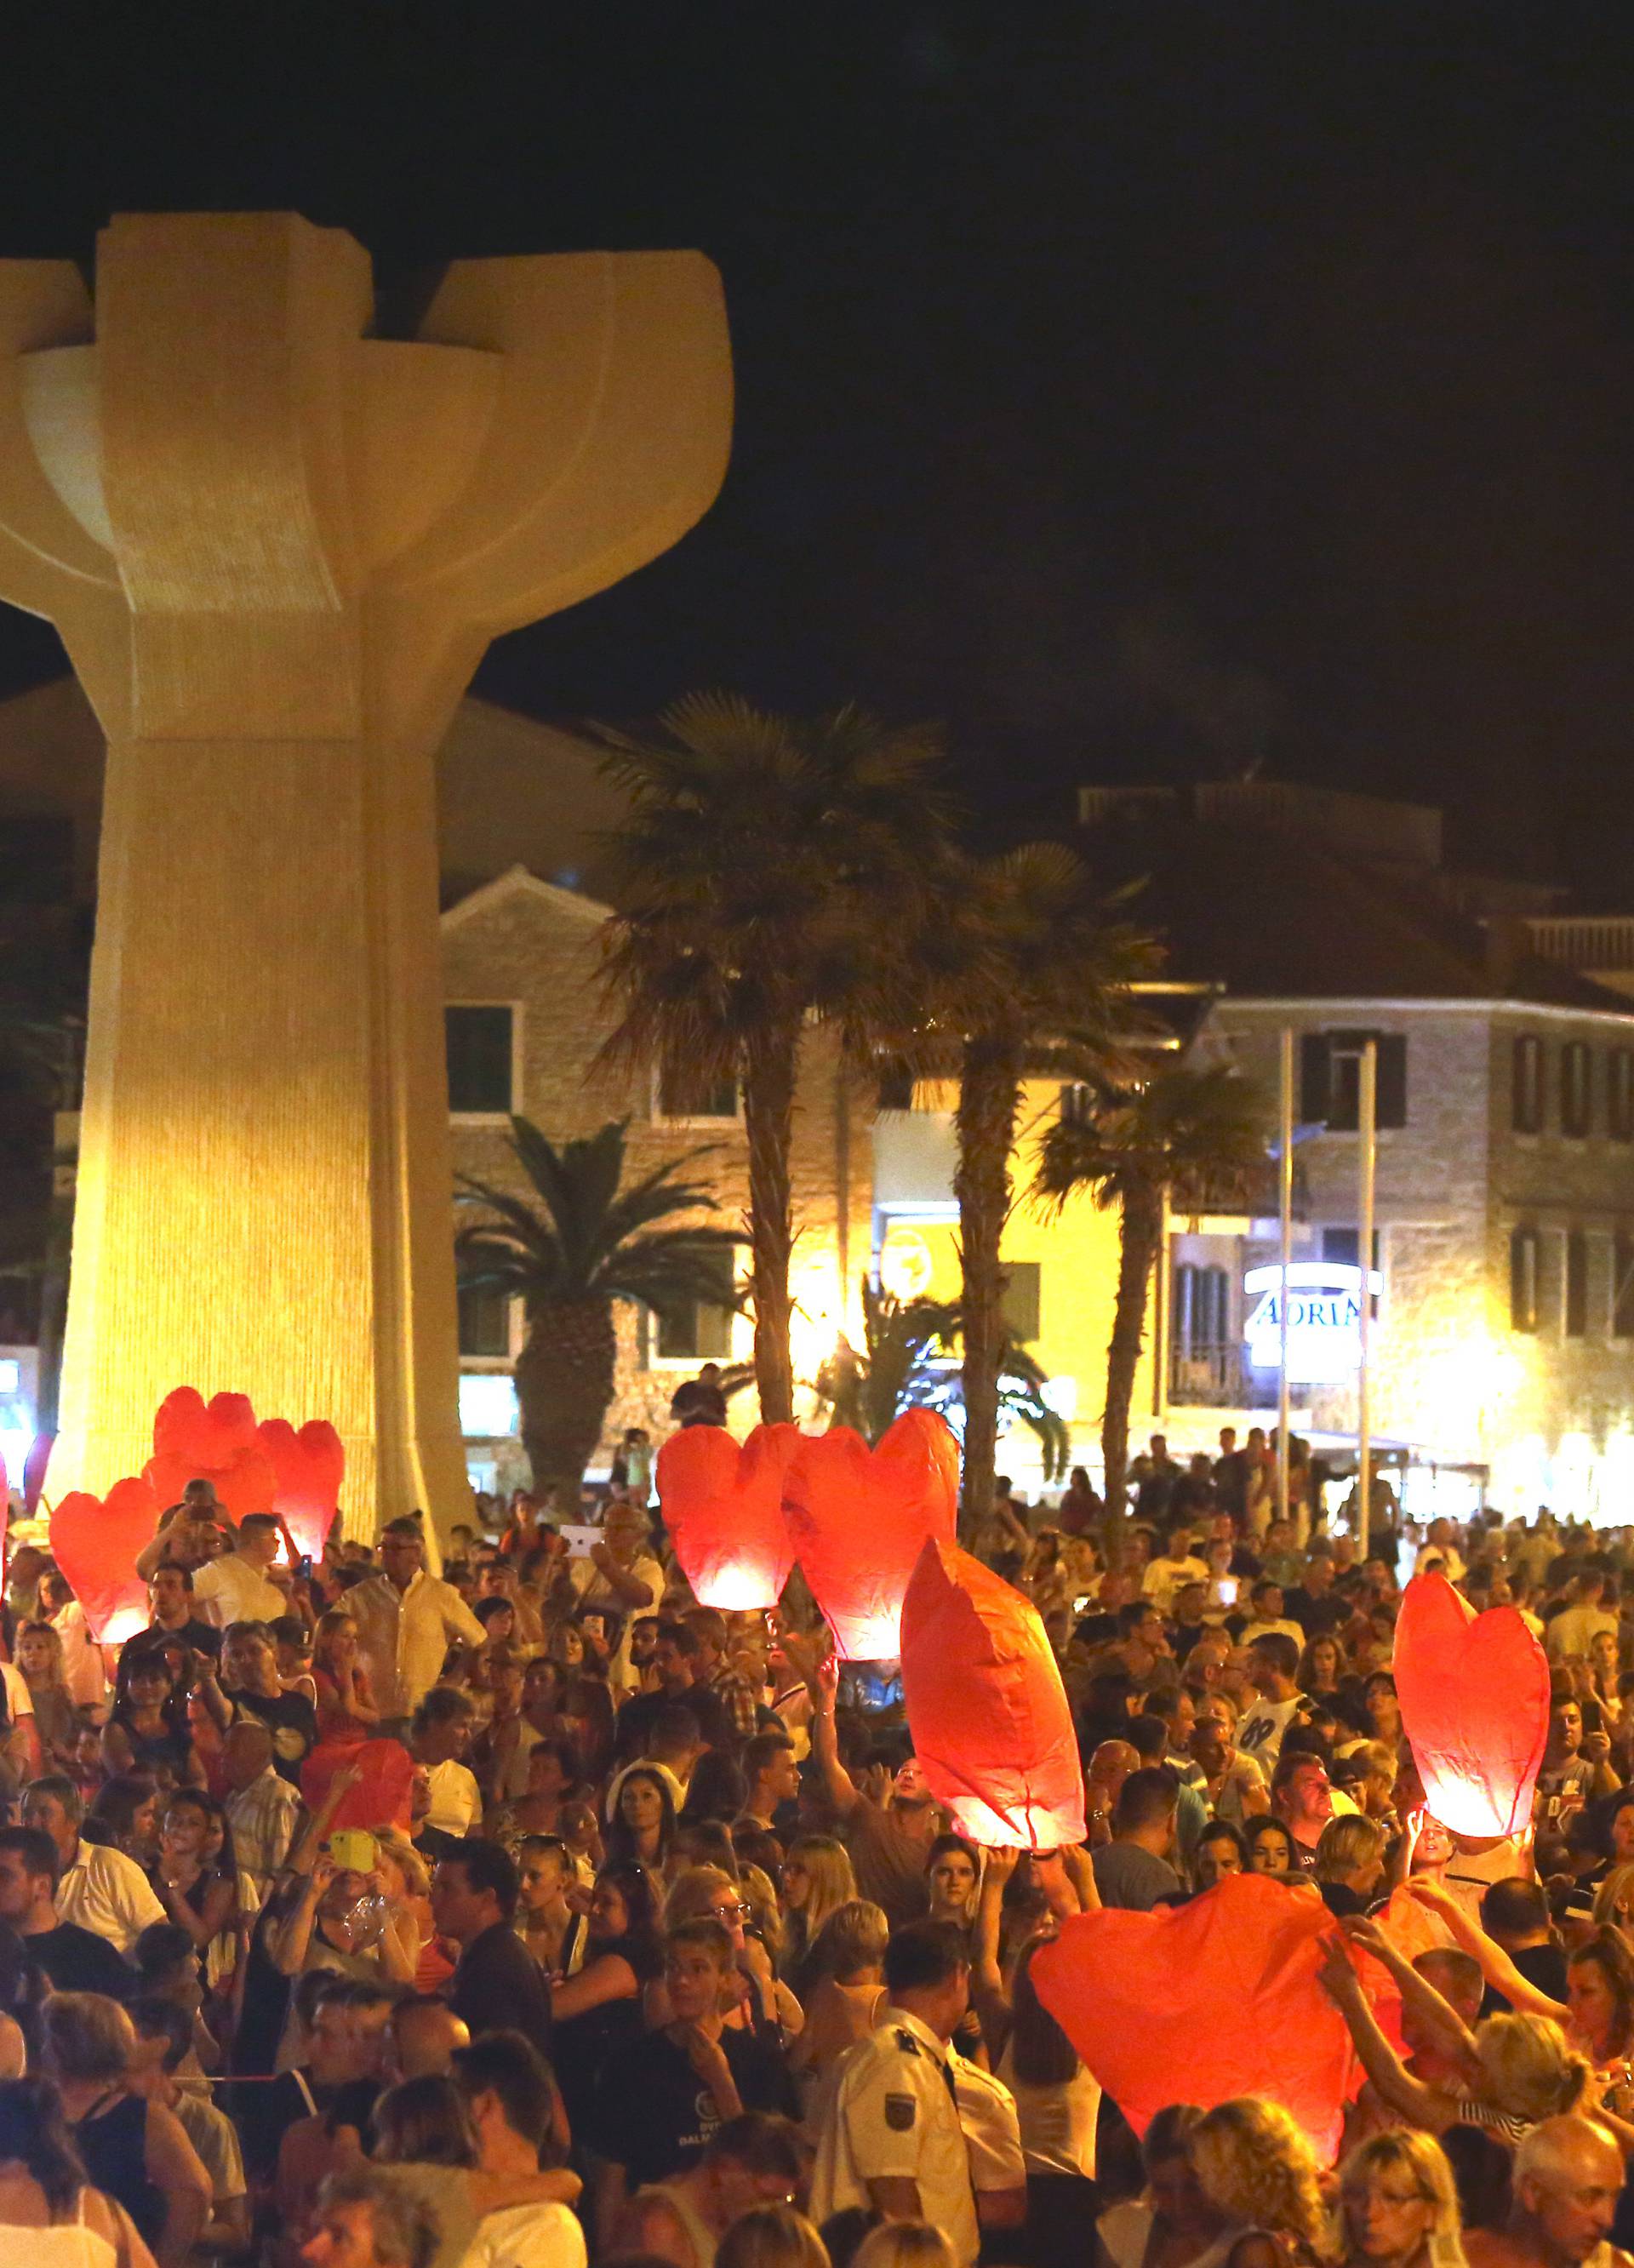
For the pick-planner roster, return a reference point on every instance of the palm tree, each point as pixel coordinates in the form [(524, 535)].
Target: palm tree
[(1179, 1135), (758, 852), (903, 1364), (1019, 968), (586, 1245)]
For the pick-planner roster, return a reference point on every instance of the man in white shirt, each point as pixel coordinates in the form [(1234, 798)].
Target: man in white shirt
[(1266, 1601), (1575, 1628), (406, 1620), (440, 1736), (98, 1888), (622, 1576), (891, 2141), (1177, 1564), (236, 1589), (1273, 1662)]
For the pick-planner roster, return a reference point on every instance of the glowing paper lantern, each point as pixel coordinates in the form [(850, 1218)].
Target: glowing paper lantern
[(95, 1541), (1207, 2000), (722, 1506), (213, 1441), (991, 1722), (381, 1798), (1473, 1690), (308, 1469), (859, 1519)]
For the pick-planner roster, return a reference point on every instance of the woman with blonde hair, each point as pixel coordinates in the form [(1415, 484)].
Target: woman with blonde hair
[(763, 1999), (817, 1881), (773, 2236), (903, 2244), (346, 1704), (1398, 2207), (1256, 2167), (1350, 1863), (1614, 1900)]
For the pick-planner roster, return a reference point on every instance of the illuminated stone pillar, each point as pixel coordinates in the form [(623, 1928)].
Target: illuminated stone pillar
[(275, 548)]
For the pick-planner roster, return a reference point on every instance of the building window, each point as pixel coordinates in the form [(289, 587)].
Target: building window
[(1330, 1079), (481, 1061), (1619, 1095), (1576, 1317), (485, 1325), (896, 1088), (1021, 1300), (1574, 1089), (1523, 1280), (679, 1097), (1526, 1102), (1623, 1286), (700, 1331), (1077, 1104)]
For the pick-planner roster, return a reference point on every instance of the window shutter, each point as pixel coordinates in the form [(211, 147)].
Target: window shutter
[(1314, 1075), (1390, 1095)]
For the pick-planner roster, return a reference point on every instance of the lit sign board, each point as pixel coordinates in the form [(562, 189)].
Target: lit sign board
[(1324, 1319)]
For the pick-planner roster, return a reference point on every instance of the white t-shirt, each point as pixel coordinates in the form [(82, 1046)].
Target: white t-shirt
[(229, 1590), (1260, 1734), (527, 2237), (1164, 1577), (20, 1702), (456, 1799)]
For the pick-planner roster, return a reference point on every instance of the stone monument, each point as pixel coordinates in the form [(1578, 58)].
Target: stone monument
[(275, 546)]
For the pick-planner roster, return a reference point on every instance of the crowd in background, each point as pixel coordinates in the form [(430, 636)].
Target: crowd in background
[(672, 1955)]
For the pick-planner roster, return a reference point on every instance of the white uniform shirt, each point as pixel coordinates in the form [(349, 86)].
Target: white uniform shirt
[(404, 1635), (230, 1590), (108, 1894), (891, 2117), (527, 2237)]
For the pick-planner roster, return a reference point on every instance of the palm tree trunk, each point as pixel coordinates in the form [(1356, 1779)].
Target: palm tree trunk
[(1140, 1233), (989, 1088), (769, 1121), (563, 1386)]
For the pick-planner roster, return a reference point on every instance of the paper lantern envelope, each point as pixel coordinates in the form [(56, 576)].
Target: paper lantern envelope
[(381, 1796), (859, 1518), (308, 1469), (1473, 1690), (215, 1441), (722, 1506), (1205, 2001), (989, 1718), (95, 1541)]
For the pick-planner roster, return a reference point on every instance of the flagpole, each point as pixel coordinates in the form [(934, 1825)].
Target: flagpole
[(1284, 1177), (1366, 1165)]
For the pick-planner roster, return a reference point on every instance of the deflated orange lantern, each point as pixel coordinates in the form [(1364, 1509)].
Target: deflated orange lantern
[(94, 1541), (379, 1796), (1473, 1690), (308, 1469), (214, 1441), (859, 1519), (988, 1715), (722, 1506), (1212, 2000)]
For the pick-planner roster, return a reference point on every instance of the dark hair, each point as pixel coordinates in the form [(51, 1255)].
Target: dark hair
[(676, 1726), (117, 1802), (257, 1523), (945, 1843), (60, 1789), (1517, 1906), (173, 1567), (620, 1841), (288, 1630), (759, 1751), (1608, 1951), (36, 1850), (923, 1955), (1146, 1799), (33, 2130), (1040, 2052), (444, 1704), (423, 2122), (156, 2017), (716, 1790), (1277, 1651), (634, 1885), (684, 1640), (1225, 1830), (488, 1610), (759, 2142), (403, 1527), (1256, 1831), (1149, 1737), (509, 2066), (488, 1866)]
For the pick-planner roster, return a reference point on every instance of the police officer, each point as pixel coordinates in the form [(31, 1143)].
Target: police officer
[(891, 2141)]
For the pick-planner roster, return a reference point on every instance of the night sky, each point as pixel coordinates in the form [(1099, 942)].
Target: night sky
[(1145, 392)]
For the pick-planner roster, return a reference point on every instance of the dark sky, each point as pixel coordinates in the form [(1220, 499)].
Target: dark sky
[(1142, 391)]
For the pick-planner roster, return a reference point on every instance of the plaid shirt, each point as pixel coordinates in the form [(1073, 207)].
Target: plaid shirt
[(263, 1817), (741, 1699)]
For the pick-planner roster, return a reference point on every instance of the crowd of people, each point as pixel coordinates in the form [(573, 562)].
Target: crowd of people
[(674, 1957)]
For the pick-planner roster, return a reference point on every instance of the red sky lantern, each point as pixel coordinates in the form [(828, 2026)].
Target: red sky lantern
[(859, 1518), (308, 1469), (1212, 2000), (215, 1442), (381, 1796), (722, 1506), (1473, 1690), (95, 1541), (991, 1722)]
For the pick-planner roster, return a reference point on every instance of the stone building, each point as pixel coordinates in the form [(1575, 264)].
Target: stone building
[(1503, 1334), (526, 1020)]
